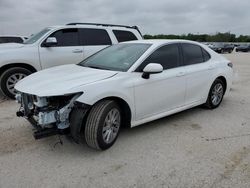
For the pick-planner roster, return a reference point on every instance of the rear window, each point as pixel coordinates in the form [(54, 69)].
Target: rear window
[(11, 39), (123, 36), (206, 55), (3, 40), (192, 54), (92, 37)]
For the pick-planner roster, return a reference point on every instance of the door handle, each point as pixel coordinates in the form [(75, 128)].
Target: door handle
[(180, 74), (77, 51), (210, 67)]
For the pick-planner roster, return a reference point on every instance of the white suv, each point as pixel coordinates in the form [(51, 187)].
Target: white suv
[(57, 45), (129, 83)]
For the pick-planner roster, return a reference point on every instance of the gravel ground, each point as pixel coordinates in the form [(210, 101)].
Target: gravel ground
[(195, 148)]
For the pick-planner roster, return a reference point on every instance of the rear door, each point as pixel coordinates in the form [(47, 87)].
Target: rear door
[(93, 40), (198, 72), (67, 51)]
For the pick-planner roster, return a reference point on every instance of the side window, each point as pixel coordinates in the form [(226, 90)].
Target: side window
[(192, 54), (168, 56), (15, 39), (123, 36), (206, 55), (66, 37), (3, 39), (92, 37)]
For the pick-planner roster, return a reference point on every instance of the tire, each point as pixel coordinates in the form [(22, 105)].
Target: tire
[(211, 102), (10, 77), (99, 133), (77, 121)]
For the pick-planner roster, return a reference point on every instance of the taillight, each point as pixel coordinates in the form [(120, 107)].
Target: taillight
[(230, 65)]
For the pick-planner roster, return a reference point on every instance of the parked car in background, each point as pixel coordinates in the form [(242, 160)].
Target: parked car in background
[(58, 45), (243, 48), (127, 84), (12, 39), (228, 48), (222, 48)]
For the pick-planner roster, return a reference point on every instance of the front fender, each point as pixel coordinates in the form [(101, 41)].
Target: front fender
[(29, 57), (92, 99), (96, 92)]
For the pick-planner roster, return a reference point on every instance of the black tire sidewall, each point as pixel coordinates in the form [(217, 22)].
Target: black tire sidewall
[(102, 144), (4, 77)]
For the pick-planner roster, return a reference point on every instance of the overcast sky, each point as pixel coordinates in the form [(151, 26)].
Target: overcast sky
[(25, 17)]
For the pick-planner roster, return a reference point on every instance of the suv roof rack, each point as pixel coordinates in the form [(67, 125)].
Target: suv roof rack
[(106, 25)]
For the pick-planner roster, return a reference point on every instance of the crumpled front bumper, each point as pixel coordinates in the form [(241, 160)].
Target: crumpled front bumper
[(46, 120)]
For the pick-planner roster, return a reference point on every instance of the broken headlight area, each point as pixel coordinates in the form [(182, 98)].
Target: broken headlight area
[(46, 113)]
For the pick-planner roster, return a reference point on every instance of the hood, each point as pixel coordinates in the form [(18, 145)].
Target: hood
[(10, 46), (61, 80)]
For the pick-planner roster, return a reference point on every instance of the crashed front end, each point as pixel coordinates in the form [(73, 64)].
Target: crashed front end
[(49, 115)]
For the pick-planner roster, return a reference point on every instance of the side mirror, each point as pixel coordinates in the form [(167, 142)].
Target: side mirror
[(151, 68), (51, 41)]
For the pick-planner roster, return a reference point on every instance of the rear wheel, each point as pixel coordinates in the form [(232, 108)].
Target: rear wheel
[(216, 94), (103, 125), (10, 77)]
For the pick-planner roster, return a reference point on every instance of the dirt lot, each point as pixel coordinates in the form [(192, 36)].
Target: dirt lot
[(195, 148)]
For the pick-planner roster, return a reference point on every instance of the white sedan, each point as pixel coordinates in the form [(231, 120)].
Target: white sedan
[(127, 84)]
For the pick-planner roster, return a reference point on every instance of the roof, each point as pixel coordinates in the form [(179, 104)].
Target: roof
[(161, 41), (92, 25)]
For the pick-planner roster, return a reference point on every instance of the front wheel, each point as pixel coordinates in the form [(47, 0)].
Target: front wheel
[(10, 77), (216, 94), (103, 125)]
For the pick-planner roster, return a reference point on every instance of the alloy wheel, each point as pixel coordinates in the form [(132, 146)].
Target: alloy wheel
[(12, 80), (217, 94), (111, 126)]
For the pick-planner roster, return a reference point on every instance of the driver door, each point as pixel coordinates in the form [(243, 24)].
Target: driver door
[(66, 51), (163, 91)]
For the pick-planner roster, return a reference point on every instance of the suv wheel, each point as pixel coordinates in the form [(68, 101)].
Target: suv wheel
[(216, 94), (10, 77), (103, 125)]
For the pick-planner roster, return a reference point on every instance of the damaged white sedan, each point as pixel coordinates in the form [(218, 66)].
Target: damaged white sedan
[(127, 84)]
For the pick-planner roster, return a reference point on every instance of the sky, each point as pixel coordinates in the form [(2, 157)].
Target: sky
[(26, 17)]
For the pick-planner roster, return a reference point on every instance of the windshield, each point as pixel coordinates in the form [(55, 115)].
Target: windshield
[(119, 57), (36, 36)]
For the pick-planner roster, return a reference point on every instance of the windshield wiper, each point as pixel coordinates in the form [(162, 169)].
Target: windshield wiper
[(95, 67)]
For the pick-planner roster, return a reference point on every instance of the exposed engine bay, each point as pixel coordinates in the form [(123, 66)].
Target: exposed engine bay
[(47, 114)]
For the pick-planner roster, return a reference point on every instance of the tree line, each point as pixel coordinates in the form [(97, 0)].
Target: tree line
[(218, 37)]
